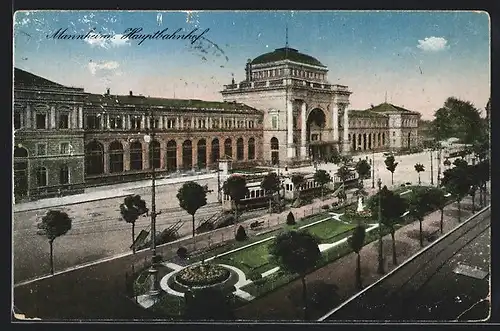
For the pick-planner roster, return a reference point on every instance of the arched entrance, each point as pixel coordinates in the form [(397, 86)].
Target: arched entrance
[(154, 154), (171, 155), (136, 155), (228, 148), (115, 157), (275, 153), (20, 172), (94, 158), (202, 153), (239, 149), (251, 148), (187, 155), (315, 125), (215, 150)]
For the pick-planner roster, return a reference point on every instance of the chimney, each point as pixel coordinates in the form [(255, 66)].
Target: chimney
[(107, 91), (130, 93)]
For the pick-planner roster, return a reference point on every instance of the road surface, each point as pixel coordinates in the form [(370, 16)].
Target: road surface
[(427, 288)]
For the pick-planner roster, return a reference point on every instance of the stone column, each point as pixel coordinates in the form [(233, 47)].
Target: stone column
[(143, 122), (162, 151), (289, 117), (160, 122), (124, 122), (52, 117), (194, 153), (103, 124), (28, 116), (245, 150), (73, 116), (107, 122), (145, 155), (106, 157), (126, 156), (303, 131), (346, 146), (335, 122), (209, 152), (80, 117), (179, 155)]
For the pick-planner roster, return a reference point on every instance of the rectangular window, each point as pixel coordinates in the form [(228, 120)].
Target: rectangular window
[(41, 177), (17, 119), (115, 122), (393, 133), (63, 121), (41, 121), (64, 148), (215, 124), (170, 123), (41, 149), (275, 122), (135, 123), (187, 123), (93, 122)]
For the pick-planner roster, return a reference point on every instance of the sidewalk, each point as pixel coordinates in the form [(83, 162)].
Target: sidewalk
[(334, 283), (102, 193)]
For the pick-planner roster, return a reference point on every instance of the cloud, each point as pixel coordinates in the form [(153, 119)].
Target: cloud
[(102, 67), (116, 41), (433, 44)]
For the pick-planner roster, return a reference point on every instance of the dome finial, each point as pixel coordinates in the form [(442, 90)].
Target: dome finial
[(286, 37)]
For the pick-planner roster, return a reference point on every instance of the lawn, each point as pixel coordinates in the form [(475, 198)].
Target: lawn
[(329, 229), (249, 260)]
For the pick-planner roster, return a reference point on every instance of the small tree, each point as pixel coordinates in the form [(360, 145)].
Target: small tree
[(271, 184), (336, 158), (438, 201), (419, 167), (391, 164), (419, 204), (322, 177), (363, 169), (392, 207), (241, 234), (475, 184), (236, 187), (297, 181), (356, 242), (298, 253), (192, 196), (54, 224), (132, 207), (290, 219), (457, 181)]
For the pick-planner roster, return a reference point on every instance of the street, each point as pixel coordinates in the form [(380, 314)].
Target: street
[(427, 288), (99, 232)]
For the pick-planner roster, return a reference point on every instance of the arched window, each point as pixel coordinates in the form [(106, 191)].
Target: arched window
[(215, 150), (239, 149), (383, 138), (172, 155), (274, 143), (251, 148), (94, 158), (41, 177), (20, 152), (187, 154), (228, 148), (202, 153), (275, 154), (64, 175), (154, 154), (115, 157), (136, 155)]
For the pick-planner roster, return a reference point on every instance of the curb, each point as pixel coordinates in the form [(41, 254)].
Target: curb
[(414, 256)]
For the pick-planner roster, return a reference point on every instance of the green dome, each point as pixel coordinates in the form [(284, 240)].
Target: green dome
[(286, 53)]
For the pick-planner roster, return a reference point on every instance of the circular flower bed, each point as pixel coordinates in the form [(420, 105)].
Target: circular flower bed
[(202, 275)]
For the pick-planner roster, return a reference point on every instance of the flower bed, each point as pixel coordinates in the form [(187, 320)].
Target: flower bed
[(202, 275)]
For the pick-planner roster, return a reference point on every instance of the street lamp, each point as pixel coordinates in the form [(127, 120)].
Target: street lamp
[(380, 269), (373, 168), (153, 271), (432, 170), (439, 165)]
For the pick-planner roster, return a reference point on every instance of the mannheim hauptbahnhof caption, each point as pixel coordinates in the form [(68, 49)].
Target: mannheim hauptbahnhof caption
[(284, 113)]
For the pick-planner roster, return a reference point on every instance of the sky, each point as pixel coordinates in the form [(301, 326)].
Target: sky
[(412, 59)]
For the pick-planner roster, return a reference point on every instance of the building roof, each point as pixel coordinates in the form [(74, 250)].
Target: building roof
[(139, 100), (25, 78), (286, 53), (365, 113), (387, 107)]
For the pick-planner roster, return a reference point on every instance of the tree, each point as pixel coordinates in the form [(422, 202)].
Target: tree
[(208, 304), (457, 118), (356, 242), (54, 224), (438, 201), (131, 208), (363, 169), (322, 177), (393, 206), (419, 204), (241, 234), (236, 187), (271, 184), (419, 167), (457, 181), (192, 196), (290, 219), (298, 180), (391, 164), (344, 173), (335, 157), (296, 252), (483, 174)]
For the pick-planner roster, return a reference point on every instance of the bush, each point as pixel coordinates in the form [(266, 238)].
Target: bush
[(182, 252), (260, 281), (254, 276), (290, 219), (241, 234), (325, 207)]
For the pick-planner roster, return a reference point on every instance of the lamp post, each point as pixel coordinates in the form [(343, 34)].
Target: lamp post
[(153, 271), (432, 170), (373, 168), (380, 269), (439, 166)]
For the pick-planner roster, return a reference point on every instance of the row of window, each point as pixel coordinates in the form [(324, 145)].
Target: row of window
[(64, 149), (42, 120), (116, 122), (294, 72), (41, 175)]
